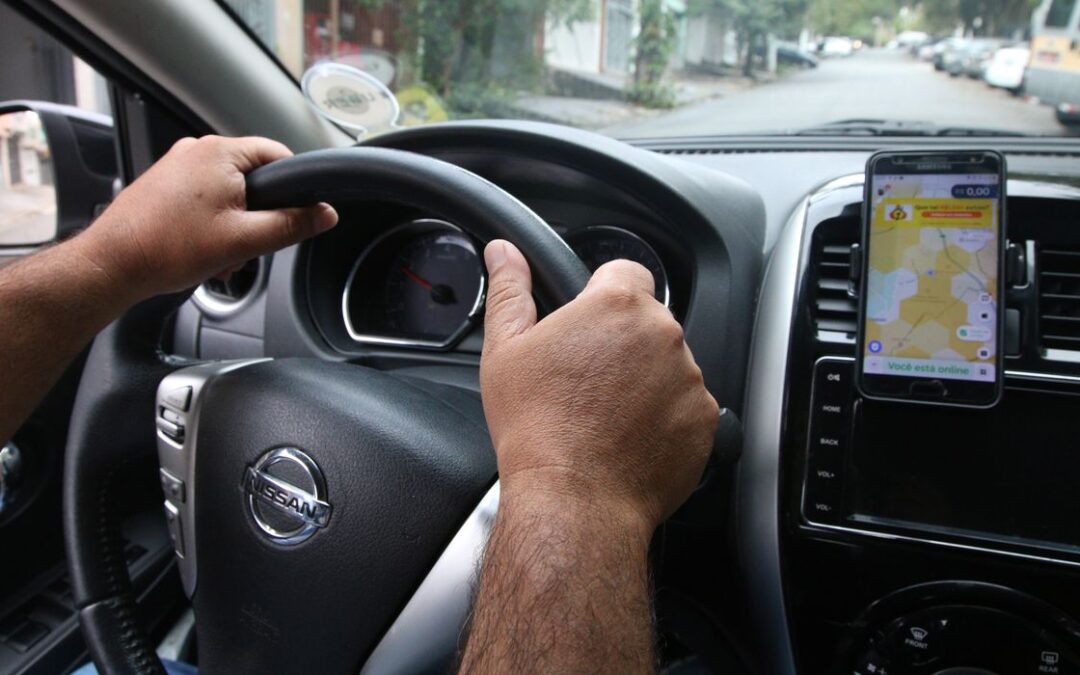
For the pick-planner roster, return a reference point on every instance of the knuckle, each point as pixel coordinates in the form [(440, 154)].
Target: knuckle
[(183, 143), (671, 331), (211, 142), (502, 295), (292, 225), (713, 409), (618, 296)]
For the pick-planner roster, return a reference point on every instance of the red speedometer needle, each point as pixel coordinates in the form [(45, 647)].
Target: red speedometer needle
[(416, 277)]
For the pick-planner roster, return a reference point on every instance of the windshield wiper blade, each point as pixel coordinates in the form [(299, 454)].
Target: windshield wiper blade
[(977, 131), (879, 127), (868, 127)]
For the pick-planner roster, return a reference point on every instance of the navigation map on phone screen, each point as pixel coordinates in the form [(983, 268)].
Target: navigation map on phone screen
[(932, 277)]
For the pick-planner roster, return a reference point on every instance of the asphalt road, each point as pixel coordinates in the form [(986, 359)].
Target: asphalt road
[(875, 84), (27, 214)]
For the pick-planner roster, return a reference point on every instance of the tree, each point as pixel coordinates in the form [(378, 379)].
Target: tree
[(852, 18), (991, 18), (654, 44), (755, 19), (481, 44)]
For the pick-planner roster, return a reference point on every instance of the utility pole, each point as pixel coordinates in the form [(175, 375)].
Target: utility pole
[(335, 27)]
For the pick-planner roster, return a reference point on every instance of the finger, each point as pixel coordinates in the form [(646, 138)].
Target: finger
[(224, 274), (262, 232), (510, 306), (249, 152), (625, 275)]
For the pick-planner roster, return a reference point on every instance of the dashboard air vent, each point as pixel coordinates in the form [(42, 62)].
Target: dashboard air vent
[(835, 307), (223, 297), (1059, 298)]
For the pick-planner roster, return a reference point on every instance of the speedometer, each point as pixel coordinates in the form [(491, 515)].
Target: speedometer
[(421, 284), (599, 244)]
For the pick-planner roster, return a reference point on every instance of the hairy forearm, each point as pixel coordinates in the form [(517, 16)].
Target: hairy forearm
[(51, 306), (564, 588)]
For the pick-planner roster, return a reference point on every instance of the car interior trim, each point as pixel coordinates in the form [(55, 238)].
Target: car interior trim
[(758, 474), (176, 456), (214, 305), (249, 94)]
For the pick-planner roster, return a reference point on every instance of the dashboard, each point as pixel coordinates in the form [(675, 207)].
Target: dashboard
[(851, 536)]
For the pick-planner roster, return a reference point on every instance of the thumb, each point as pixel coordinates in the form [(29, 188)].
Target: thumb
[(510, 307)]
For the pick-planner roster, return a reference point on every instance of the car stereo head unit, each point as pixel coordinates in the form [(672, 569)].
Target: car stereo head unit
[(963, 477)]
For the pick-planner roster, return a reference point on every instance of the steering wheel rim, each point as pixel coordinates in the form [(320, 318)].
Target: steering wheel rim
[(125, 365)]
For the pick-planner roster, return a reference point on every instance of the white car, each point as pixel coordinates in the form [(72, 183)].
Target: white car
[(1007, 67), (837, 46)]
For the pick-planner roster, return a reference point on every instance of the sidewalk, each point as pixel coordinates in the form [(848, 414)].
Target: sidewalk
[(597, 113)]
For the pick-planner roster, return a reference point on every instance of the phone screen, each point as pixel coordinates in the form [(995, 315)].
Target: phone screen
[(932, 266)]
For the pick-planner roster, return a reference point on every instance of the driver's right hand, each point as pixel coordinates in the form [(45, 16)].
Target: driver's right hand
[(601, 401)]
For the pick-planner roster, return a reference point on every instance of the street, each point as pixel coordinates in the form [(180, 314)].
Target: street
[(27, 214), (875, 84)]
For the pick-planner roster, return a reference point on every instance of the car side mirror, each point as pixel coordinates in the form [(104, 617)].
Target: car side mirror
[(57, 170)]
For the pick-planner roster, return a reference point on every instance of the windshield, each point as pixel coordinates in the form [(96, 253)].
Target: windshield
[(662, 68)]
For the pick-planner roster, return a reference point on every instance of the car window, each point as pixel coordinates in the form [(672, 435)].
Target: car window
[(35, 67), (1059, 13), (640, 68)]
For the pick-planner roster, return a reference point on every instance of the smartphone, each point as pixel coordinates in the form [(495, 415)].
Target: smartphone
[(932, 253)]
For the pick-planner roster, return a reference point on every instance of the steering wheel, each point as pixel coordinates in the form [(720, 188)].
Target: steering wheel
[(307, 499)]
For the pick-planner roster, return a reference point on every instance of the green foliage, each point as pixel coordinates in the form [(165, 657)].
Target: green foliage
[(858, 18), (478, 47), (654, 45), (995, 18), (754, 19), (852, 18)]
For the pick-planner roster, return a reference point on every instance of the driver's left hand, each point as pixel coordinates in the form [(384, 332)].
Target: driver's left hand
[(186, 218)]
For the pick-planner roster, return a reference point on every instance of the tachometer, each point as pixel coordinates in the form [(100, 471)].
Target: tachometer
[(599, 244), (421, 284)]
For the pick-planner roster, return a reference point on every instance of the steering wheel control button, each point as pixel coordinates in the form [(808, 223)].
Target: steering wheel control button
[(173, 488), (171, 416), (179, 398), (171, 429), (286, 496), (176, 528)]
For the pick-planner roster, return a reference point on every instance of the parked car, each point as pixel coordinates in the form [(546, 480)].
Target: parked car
[(925, 52), (791, 54), (943, 49), (837, 46), (911, 39), (1068, 113), (977, 58), (1007, 68), (952, 59)]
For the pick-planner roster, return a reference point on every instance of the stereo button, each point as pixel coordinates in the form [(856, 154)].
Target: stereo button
[(821, 503), (833, 381)]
